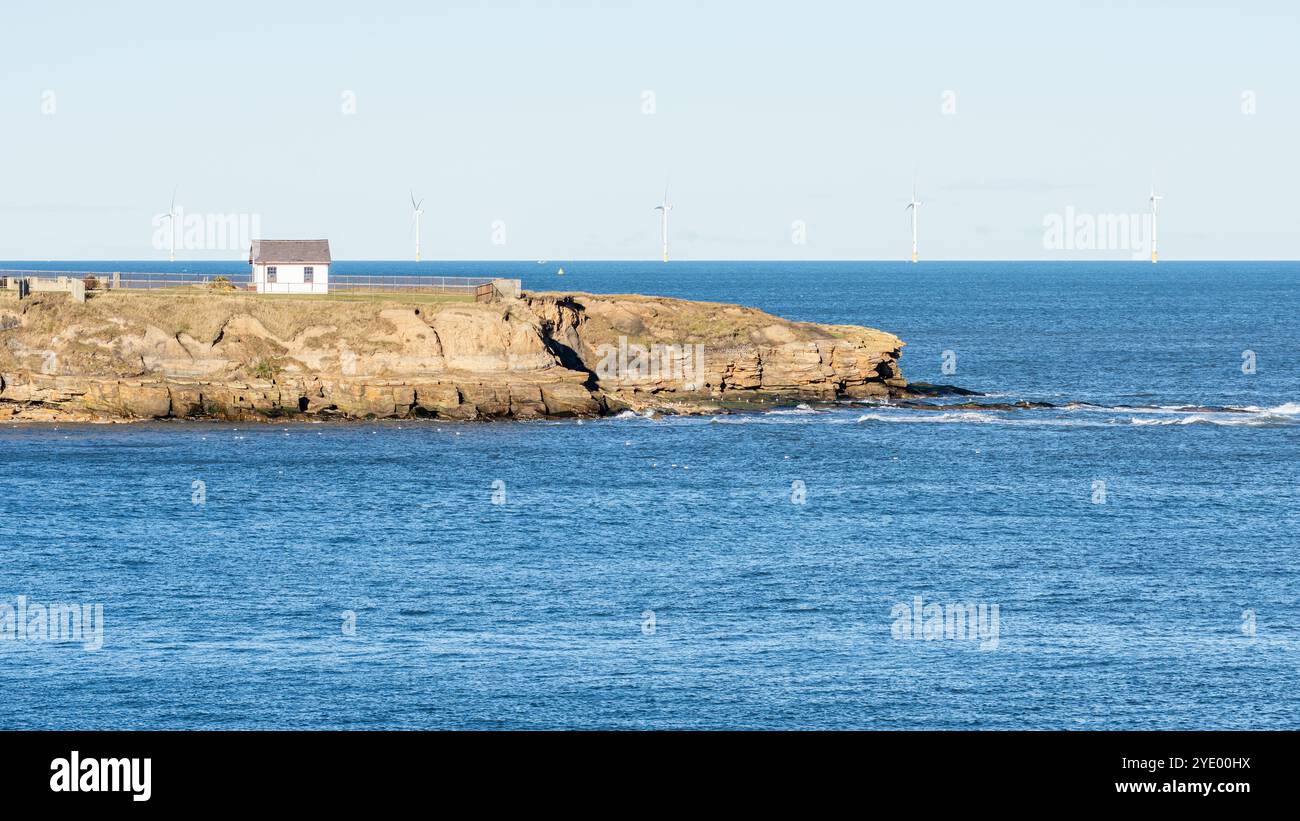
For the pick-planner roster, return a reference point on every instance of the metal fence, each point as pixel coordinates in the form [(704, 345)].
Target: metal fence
[(107, 280), (137, 280), (359, 284), (365, 283)]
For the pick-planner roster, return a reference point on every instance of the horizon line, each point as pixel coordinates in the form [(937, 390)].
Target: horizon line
[(653, 261)]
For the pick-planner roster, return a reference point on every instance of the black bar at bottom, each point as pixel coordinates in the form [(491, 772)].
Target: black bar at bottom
[(332, 769)]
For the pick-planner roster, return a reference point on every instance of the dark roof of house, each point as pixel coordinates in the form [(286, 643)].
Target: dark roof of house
[(289, 251)]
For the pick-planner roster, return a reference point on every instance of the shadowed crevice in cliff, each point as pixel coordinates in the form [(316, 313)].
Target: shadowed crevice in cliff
[(569, 359), (560, 320)]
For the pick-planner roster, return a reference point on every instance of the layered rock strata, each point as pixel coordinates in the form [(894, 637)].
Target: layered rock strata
[(124, 355)]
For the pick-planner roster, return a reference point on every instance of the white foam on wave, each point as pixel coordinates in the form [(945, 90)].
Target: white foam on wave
[(1049, 418), (1244, 420), (1249, 416), (1090, 408), (1187, 414), (1078, 415), (1285, 409), (962, 416), (631, 414), (798, 410)]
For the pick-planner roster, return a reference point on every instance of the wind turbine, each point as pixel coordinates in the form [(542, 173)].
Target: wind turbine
[(171, 219), (914, 206), (416, 211), (1155, 212), (664, 207)]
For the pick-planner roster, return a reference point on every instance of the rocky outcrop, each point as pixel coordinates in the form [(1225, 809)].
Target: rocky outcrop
[(124, 355)]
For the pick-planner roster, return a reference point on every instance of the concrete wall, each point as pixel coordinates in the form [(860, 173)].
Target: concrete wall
[(508, 288), (67, 285), (502, 289)]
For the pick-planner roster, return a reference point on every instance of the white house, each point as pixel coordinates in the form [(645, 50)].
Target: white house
[(290, 266)]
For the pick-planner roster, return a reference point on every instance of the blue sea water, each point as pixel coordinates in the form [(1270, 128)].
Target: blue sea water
[(1139, 538)]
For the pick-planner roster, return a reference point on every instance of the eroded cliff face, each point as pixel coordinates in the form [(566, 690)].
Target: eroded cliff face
[(124, 355)]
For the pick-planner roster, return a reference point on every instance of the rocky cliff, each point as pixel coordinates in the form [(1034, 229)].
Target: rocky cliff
[(139, 355)]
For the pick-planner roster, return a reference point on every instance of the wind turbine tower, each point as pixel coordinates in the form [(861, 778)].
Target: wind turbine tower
[(914, 206), (664, 208), (171, 220), (416, 211), (1155, 214)]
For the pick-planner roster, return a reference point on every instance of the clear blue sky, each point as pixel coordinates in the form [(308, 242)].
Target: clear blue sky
[(530, 113)]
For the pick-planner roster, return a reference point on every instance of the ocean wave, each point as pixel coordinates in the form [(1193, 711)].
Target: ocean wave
[(798, 410), (631, 414), (1105, 417), (769, 418), (955, 416), (1252, 420), (1285, 409), (1071, 415)]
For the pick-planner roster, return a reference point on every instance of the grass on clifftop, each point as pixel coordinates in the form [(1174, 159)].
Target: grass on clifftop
[(647, 320), (398, 299), (202, 314), (337, 296)]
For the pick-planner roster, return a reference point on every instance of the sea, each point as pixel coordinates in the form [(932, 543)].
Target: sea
[(1122, 554)]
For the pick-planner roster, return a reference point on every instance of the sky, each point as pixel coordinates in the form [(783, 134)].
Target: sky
[(549, 130)]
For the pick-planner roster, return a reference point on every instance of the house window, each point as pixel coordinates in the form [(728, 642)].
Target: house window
[(270, 273), (308, 274)]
